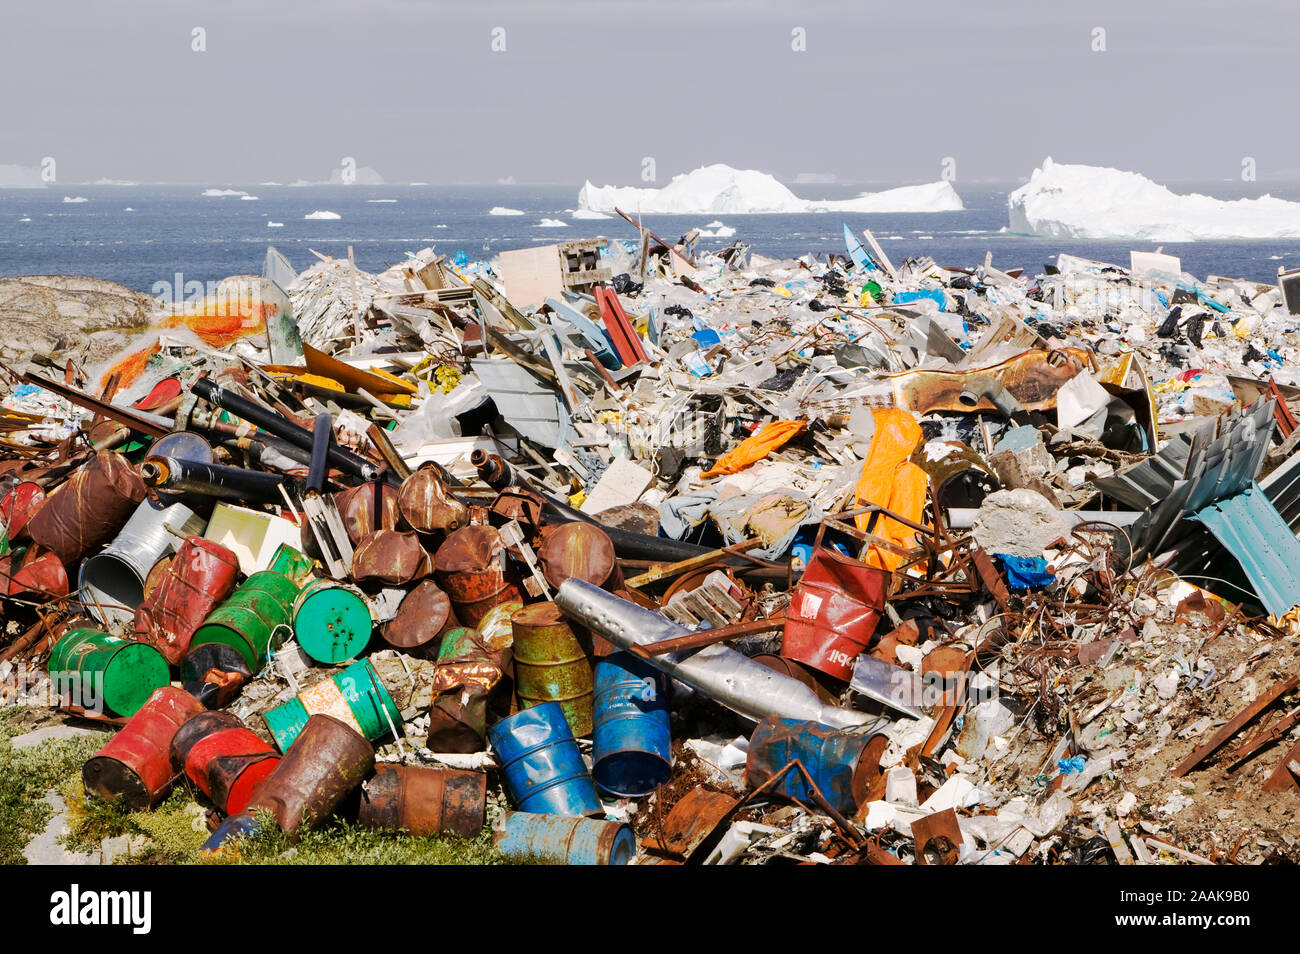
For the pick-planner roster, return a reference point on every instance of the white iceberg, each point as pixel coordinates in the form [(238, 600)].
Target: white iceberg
[(716, 229), (248, 198), (586, 214), (322, 214), (274, 225), (1095, 202), (502, 210), (719, 189), (75, 198), (551, 224), (219, 193), (25, 218)]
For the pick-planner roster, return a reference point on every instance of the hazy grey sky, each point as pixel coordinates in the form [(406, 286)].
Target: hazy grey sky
[(585, 88)]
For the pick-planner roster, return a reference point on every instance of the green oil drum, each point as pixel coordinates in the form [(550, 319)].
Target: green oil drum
[(354, 696), (332, 621), (254, 620), (98, 671), (292, 563)]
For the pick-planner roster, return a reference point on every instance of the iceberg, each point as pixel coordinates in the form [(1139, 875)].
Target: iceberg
[(219, 193), (586, 214), (1096, 202), (502, 210), (322, 214), (721, 190), (551, 224), (75, 198)]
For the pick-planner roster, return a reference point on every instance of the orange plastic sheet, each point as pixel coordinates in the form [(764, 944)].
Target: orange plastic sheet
[(892, 481), (772, 435)]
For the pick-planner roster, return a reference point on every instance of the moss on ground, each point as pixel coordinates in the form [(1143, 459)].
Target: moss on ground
[(25, 776)]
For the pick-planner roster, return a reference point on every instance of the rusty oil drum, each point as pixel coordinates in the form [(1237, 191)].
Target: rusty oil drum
[(99, 668), (470, 566), (564, 840), (229, 765), (89, 508), (427, 505), (840, 761), (580, 550), (423, 618), (550, 665), (327, 761), (541, 766), (254, 618), (332, 621), (424, 801), (631, 742), (135, 766), (195, 581)]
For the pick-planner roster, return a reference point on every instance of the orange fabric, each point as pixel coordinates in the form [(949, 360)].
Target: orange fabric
[(772, 435), (892, 481)]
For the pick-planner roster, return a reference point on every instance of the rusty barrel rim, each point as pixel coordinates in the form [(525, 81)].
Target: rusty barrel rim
[(331, 621)]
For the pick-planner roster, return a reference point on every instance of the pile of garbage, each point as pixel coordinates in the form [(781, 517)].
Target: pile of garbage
[(642, 554)]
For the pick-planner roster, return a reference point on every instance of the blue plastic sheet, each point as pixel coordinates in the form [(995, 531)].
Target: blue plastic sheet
[(1025, 573)]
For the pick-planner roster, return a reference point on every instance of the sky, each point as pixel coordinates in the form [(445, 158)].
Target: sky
[(870, 92)]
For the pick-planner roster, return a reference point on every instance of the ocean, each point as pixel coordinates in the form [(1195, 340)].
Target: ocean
[(140, 236)]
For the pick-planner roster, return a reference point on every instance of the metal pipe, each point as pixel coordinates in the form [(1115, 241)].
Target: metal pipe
[(719, 672), (211, 480), (987, 386), (273, 423)]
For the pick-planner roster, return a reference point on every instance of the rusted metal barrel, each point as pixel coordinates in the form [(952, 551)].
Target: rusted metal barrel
[(229, 765), (292, 563), (424, 801), (87, 510), (540, 763), (254, 620), (355, 696), (360, 515), (564, 840), (426, 504), (135, 766), (199, 577), (631, 741), (424, 616), (471, 680), (103, 671), (582, 550), (836, 759), (550, 665), (327, 761), (471, 567), (332, 621), (196, 728), (389, 558)]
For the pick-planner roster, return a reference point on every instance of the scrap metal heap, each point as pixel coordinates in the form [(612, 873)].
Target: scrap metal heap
[(638, 554)]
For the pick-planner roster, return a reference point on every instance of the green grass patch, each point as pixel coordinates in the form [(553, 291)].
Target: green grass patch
[(26, 775)]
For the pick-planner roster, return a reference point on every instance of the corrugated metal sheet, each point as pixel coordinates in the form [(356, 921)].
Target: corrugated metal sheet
[(1251, 529)]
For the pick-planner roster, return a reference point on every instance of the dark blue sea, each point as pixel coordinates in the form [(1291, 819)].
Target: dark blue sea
[(174, 229)]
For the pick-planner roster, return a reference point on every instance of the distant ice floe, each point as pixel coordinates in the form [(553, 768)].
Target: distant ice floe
[(551, 224), (75, 198), (248, 198), (24, 219), (376, 201), (1096, 202), (274, 225), (502, 210), (587, 214), (220, 193), (720, 189), (322, 214), (716, 229)]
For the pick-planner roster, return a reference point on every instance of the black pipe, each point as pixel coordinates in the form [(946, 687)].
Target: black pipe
[(273, 423), (212, 480), (322, 432)]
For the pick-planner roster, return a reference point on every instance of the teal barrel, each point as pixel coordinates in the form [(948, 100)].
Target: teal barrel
[(355, 696), (97, 670), (254, 620), (331, 621)]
